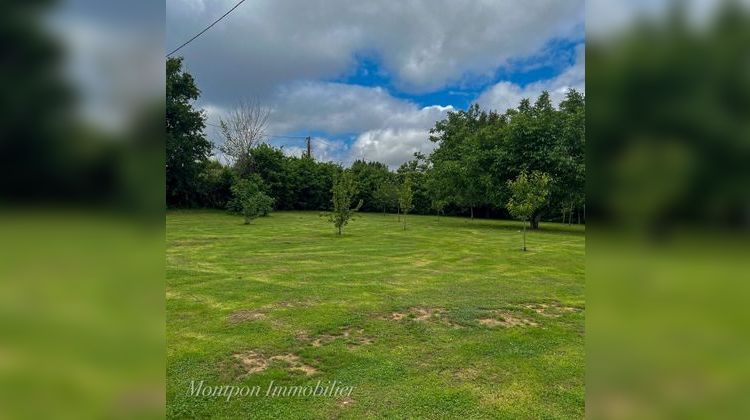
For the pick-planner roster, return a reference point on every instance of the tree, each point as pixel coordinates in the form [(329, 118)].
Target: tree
[(216, 185), (187, 150), (368, 176), (385, 194), (439, 206), (244, 128), (249, 189), (527, 194), (255, 205), (405, 197), (344, 189)]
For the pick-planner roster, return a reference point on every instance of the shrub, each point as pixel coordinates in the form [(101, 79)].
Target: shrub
[(258, 204), (242, 190)]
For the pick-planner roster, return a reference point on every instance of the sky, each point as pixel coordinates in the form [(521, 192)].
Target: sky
[(368, 79)]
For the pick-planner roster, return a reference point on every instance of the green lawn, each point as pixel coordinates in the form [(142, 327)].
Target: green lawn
[(446, 319)]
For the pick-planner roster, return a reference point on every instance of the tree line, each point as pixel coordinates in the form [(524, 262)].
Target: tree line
[(477, 153)]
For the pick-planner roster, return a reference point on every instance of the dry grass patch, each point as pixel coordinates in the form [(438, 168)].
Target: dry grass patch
[(422, 314), (395, 316), (245, 315), (550, 310), (416, 313), (354, 337), (253, 362), (506, 320)]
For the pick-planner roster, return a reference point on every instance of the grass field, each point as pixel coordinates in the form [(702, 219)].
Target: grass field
[(446, 319)]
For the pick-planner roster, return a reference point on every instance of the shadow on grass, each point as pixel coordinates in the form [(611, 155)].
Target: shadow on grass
[(511, 225)]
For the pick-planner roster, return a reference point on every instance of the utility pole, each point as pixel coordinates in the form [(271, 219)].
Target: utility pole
[(309, 148)]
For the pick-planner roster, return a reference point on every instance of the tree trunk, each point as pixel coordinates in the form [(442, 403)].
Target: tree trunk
[(472, 213), (578, 212), (404, 221), (398, 213), (570, 219), (524, 237), (534, 222)]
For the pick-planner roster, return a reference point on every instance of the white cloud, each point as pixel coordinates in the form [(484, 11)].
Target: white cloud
[(384, 128), (391, 146), (323, 149), (342, 108), (423, 44), (505, 95)]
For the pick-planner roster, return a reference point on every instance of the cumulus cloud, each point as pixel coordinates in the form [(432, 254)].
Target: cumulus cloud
[(342, 108), (423, 44), (505, 95), (385, 128), (287, 54), (391, 146)]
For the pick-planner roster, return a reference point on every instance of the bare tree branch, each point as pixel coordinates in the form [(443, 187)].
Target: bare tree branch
[(243, 129)]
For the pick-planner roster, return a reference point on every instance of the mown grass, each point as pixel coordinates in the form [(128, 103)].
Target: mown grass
[(306, 283)]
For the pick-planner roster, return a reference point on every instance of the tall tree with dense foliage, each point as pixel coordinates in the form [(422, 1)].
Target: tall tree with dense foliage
[(406, 198), (369, 176), (479, 151), (386, 194), (528, 193), (187, 149), (344, 189)]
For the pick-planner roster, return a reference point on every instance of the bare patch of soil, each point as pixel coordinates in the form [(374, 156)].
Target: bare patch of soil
[(416, 313), (293, 363), (396, 316), (253, 362), (506, 320), (353, 337), (346, 402), (550, 310), (423, 314)]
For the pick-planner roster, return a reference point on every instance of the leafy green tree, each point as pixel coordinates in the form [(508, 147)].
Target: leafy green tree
[(187, 149), (439, 206), (527, 194), (417, 169), (369, 176), (255, 205), (271, 165), (466, 142), (344, 189), (386, 194), (242, 190), (216, 183), (405, 198)]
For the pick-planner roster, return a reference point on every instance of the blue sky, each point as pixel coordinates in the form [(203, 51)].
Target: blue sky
[(368, 80)]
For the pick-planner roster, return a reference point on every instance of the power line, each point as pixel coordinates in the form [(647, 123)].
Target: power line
[(207, 28), (266, 135)]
